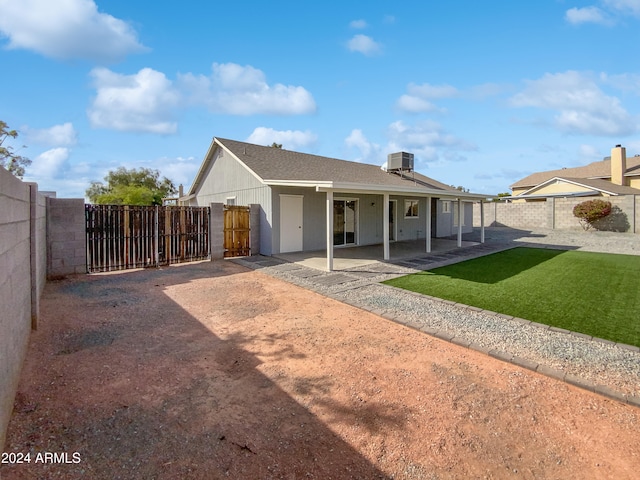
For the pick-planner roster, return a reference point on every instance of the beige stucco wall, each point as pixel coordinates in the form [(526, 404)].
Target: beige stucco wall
[(560, 187)]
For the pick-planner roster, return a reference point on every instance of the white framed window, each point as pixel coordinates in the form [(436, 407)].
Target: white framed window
[(446, 206), (411, 208), (231, 201)]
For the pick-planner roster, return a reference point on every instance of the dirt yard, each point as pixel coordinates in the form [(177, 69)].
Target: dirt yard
[(214, 371)]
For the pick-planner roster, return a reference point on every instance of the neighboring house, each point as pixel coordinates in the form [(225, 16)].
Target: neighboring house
[(310, 202), (615, 175)]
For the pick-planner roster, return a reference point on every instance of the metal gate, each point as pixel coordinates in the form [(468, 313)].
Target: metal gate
[(120, 237), (236, 231)]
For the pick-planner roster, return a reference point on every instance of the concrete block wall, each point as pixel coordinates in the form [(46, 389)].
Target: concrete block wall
[(66, 247), (518, 215), (21, 277), (621, 219), (38, 250), (254, 224), (216, 234), (636, 210), (557, 213)]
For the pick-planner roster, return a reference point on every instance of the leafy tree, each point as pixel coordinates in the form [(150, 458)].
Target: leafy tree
[(15, 164), (590, 211), (276, 145), (141, 186), (501, 195)]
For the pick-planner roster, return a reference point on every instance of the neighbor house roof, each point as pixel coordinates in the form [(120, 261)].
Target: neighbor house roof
[(275, 166), (595, 185), (600, 169)]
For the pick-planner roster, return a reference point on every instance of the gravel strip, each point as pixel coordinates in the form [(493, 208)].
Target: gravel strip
[(598, 365)]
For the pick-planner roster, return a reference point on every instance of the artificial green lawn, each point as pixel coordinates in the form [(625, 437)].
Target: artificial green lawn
[(593, 293)]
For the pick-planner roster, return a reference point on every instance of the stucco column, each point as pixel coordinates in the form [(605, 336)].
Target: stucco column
[(428, 226), (330, 230), (459, 206), (481, 221), (385, 225)]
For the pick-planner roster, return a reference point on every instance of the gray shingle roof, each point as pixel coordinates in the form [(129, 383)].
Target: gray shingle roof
[(603, 185), (285, 165), (600, 169)]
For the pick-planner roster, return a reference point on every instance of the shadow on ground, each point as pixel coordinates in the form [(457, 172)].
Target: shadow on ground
[(123, 375)]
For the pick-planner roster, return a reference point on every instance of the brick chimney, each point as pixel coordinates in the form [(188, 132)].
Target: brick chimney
[(618, 164)]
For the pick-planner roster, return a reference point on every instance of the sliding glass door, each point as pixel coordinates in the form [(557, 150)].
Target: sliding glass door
[(345, 222)]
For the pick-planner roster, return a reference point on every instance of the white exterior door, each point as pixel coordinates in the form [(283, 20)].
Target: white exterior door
[(290, 223)]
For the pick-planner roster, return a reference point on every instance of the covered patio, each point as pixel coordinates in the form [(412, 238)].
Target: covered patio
[(352, 257)]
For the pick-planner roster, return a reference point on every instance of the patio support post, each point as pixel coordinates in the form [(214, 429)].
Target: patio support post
[(330, 230), (428, 226), (385, 225), (481, 221), (459, 206)]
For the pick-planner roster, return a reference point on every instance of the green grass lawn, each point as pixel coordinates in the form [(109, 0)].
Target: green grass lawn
[(593, 293)]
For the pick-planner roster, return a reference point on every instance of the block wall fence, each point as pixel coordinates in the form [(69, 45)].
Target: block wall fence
[(43, 237), (22, 279), (557, 213), (40, 237)]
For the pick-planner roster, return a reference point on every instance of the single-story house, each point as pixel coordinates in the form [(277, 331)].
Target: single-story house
[(615, 175), (311, 203)]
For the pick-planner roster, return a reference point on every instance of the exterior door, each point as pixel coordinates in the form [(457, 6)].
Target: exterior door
[(290, 223), (345, 222)]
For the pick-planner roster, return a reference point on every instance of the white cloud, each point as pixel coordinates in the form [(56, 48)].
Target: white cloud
[(180, 170), (143, 102), (58, 135), (411, 104), (237, 90), (577, 16), (50, 164), (580, 105), (625, 6), (426, 140), (67, 29), (148, 101), (417, 99), (627, 82), (359, 24), (368, 152), (289, 139), (609, 13), (590, 152), (427, 90), (364, 44)]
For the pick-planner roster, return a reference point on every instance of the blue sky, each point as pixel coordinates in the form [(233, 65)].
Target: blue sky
[(483, 93)]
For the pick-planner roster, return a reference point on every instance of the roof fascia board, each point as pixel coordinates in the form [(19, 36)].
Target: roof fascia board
[(298, 183), (590, 193), (378, 189)]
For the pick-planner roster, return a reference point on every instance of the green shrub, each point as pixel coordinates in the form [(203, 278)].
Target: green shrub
[(590, 211)]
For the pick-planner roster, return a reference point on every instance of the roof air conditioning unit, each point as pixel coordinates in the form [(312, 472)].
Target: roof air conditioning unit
[(401, 161)]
